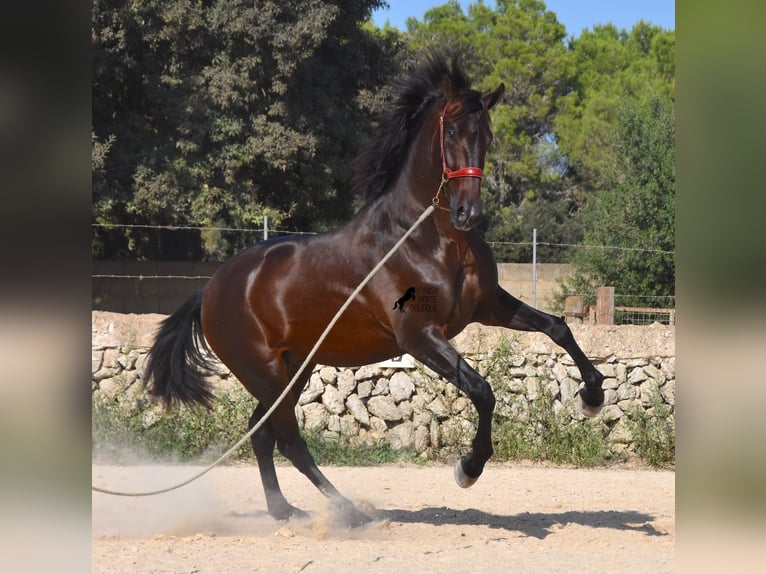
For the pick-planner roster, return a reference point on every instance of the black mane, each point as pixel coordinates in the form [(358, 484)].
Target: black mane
[(377, 165)]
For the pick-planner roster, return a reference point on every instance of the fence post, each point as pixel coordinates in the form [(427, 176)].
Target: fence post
[(265, 227), (534, 268), (605, 306), (574, 309)]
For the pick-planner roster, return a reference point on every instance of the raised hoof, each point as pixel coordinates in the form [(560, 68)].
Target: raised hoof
[(586, 409), (462, 479)]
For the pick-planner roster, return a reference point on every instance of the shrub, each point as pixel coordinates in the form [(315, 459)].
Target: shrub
[(554, 436), (654, 436)]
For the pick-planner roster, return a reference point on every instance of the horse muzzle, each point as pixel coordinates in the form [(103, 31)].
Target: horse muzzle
[(464, 215), (465, 195)]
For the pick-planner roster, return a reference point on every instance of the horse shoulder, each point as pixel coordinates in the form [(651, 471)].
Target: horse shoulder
[(481, 267)]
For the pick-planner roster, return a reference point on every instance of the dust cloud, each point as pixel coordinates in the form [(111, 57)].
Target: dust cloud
[(205, 506)]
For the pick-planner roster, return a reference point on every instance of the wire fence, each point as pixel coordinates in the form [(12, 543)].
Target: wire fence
[(644, 315), (502, 249), (506, 251), (633, 309), (628, 309)]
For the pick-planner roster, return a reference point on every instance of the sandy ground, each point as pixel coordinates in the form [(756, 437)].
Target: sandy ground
[(516, 518)]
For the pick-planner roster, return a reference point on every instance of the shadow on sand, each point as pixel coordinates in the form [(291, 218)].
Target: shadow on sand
[(537, 525)]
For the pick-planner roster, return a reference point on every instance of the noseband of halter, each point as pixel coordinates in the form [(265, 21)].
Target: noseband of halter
[(448, 173)]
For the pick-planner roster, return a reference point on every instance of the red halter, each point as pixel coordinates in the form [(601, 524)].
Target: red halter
[(447, 173)]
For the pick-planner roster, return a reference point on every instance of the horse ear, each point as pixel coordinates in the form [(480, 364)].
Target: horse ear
[(492, 98)]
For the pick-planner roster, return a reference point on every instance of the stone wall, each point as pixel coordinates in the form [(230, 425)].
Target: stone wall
[(413, 407)]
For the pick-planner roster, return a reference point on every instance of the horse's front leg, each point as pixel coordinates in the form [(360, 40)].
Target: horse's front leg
[(433, 350), (504, 310)]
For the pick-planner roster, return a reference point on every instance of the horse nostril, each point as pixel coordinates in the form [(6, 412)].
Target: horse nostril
[(463, 216)]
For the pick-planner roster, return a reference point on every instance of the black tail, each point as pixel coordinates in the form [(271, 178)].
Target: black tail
[(176, 358)]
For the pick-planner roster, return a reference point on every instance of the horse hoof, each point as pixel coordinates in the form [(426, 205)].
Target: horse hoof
[(586, 409), (361, 520), (287, 512), (462, 479), (347, 515)]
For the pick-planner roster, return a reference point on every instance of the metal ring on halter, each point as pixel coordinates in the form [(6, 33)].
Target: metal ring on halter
[(436, 200)]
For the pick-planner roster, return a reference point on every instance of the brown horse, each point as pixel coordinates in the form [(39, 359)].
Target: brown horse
[(264, 309)]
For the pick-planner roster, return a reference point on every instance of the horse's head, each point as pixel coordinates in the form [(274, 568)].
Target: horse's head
[(464, 136), (436, 122)]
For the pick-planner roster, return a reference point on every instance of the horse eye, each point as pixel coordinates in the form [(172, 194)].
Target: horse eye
[(451, 132)]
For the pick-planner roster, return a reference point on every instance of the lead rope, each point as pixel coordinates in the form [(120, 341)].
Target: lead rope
[(435, 201), (311, 354)]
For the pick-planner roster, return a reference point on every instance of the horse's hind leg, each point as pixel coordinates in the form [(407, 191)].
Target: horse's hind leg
[(263, 441), (282, 428), (293, 447)]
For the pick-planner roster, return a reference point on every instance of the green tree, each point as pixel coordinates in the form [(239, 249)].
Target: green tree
[(635, 212), (610, 65), (224, 112)]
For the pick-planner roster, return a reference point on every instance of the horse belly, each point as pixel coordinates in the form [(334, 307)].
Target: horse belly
[(356, 339)]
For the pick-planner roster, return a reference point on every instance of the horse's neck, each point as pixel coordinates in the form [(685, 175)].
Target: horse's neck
[(413, 191), (417, 185)]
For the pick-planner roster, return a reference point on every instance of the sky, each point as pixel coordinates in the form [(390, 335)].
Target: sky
[(574, 14)]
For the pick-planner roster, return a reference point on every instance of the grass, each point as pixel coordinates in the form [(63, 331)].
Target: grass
[(185, 434), (345, 452), (554, 437), (120, 432), (654, 433)]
